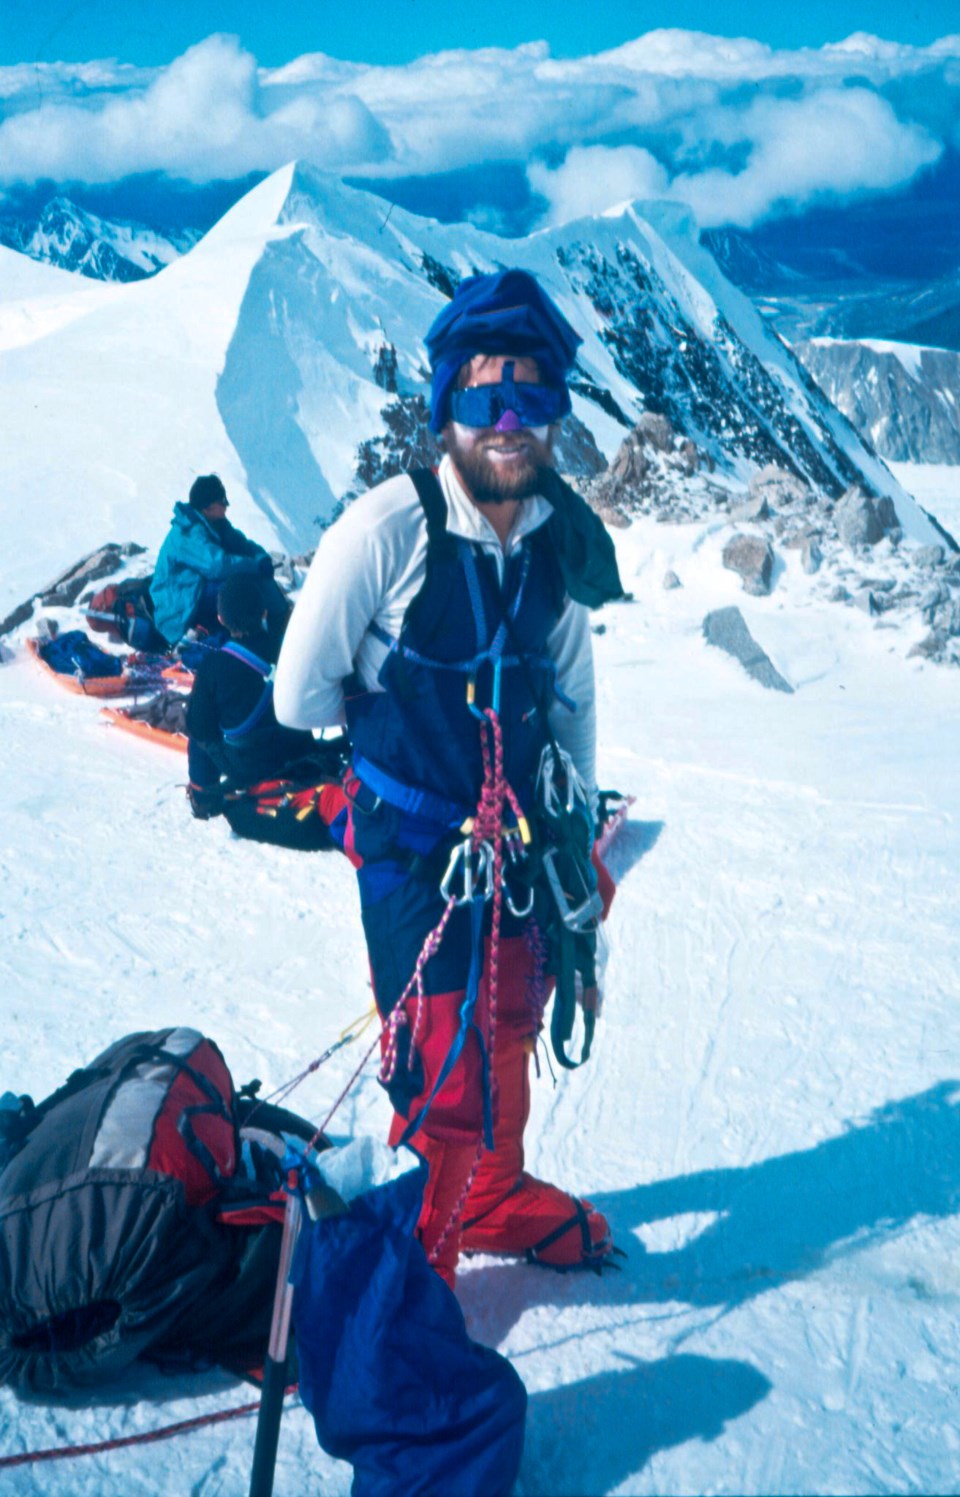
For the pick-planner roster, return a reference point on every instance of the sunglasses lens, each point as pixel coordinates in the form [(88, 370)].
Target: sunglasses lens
[(483, 405)]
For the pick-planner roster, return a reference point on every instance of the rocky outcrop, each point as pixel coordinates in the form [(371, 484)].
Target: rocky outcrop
[(407, 443), (727, 630), (575, 453), (712, 389), (751, 557), (780, 489), (863, 520), (656, 469), (64, 590)]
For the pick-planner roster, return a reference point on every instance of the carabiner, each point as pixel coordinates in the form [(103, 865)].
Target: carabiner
[(528, 907), (477, 881)]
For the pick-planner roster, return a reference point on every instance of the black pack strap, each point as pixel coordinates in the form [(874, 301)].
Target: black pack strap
[(565, 1004), (433, 504), (196, 1146), (482, 1215), (579, 539), (215, 1106)]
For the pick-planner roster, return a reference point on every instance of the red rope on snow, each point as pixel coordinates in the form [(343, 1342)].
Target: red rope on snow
[(147, 1437), (325, 1124)]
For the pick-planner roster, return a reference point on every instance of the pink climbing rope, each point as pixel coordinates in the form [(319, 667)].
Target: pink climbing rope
[(488, 827), (495, 794), (399, 1018)]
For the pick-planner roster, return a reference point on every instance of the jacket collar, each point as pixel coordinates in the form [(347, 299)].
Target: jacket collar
[(464, 518)]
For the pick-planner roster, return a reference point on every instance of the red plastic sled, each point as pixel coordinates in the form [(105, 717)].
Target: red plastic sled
[(121, 718), (84, 686)]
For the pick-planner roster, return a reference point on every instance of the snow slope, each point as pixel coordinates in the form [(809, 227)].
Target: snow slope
[(36, 300), (285, 352), (770, 1118), (937, 487), (115, 412)]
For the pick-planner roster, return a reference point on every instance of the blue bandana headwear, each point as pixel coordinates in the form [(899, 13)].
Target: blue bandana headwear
[(498, 314)]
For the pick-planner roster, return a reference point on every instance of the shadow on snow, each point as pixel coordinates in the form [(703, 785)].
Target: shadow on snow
[(781, 1219), (633, 841), (591, 1435), (775, 1221)]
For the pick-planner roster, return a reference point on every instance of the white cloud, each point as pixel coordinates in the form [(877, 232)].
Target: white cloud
[(594, 178), (665, 114), (199, 118), (833, 141)]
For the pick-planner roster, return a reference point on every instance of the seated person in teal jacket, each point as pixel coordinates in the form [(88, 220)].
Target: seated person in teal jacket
[(202, 550)]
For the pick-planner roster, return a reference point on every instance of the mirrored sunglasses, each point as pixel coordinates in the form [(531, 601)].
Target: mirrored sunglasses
[(485, 405)]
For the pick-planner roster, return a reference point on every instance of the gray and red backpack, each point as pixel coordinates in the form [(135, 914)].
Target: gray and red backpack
[(139, 1216)]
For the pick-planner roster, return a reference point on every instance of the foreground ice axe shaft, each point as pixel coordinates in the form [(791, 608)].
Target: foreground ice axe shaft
[(275, 1366)]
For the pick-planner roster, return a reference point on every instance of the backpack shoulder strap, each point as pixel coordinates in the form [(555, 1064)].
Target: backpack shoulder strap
[(434, 506), (240, 652)]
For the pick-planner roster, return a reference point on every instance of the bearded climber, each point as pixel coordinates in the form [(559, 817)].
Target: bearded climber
[(440, 619)]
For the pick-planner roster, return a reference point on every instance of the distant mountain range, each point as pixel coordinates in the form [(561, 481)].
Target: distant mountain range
[(286, 352), (850, 302), (902, 398), (67, 236), (811, 279), (886, 266)]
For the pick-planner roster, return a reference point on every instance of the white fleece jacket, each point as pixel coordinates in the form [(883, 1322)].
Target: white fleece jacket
[(368, 568)]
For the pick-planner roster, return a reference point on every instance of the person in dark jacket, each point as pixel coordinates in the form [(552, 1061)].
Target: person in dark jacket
[(235, 743), (202, 549)]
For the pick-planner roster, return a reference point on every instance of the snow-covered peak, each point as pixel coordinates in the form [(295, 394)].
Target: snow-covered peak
[(285, 352)]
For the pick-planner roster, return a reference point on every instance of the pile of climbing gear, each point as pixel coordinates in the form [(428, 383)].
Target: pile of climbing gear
[(139, 1191)]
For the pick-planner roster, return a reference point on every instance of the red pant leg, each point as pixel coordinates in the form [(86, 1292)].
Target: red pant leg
[(452, 1131), (507, 1210)]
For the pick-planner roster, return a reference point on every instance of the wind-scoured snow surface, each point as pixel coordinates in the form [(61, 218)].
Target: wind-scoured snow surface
[(771, 1118), (291, 337)]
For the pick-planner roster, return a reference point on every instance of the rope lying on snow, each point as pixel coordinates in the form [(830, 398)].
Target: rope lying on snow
[(146, 1437)]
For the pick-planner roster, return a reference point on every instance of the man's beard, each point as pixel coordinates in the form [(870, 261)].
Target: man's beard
[(489, 483)]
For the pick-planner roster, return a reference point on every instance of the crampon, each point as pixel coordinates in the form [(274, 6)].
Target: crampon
[(545, 1225)]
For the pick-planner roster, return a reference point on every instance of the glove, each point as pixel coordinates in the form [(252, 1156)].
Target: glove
[(205, 801), (264, 567)]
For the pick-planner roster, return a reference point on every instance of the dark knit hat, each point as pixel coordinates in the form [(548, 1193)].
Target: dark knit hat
[(505, 313), (206, 491), (240, 603)]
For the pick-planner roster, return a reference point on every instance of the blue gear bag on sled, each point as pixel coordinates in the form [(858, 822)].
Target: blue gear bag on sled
[(393, 1381)]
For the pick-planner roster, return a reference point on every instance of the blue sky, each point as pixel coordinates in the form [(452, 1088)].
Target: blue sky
[(148, 32), (566, 109)]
